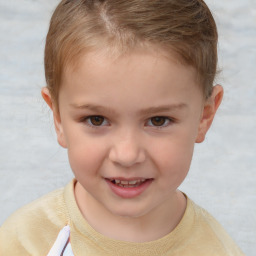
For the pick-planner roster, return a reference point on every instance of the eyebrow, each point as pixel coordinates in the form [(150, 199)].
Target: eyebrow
[(164, 108), (92, 107), (146, 111)]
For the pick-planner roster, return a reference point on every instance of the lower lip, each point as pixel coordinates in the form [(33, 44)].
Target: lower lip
[(129, 192)]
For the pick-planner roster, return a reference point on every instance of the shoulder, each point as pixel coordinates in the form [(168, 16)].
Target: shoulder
[(34, 226), (210, 236)]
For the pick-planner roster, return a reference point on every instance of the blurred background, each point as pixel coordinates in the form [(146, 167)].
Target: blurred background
[(223, 173)]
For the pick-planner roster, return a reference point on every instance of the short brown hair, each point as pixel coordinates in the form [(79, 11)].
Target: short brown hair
[(187, 27)]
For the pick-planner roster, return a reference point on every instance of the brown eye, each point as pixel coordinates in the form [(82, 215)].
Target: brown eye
[(96, 120), (159, 121)]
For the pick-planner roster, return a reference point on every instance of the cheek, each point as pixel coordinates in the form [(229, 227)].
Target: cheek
[(174, 159), (85, 158)]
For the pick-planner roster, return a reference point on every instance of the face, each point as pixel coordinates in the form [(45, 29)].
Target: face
[(129, 126)]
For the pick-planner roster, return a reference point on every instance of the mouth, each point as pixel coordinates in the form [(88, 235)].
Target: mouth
[(128, 183), (128, 188)]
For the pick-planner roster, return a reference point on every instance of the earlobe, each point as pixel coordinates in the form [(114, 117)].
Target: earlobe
[(210, 108), (56, 116)]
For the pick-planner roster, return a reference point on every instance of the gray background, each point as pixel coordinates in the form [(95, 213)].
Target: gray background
[(222, 177)]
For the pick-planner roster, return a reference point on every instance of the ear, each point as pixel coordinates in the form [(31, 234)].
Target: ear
[(210, 107), (56, 116)]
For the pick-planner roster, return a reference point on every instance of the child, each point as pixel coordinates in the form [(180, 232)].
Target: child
[(130, 84)]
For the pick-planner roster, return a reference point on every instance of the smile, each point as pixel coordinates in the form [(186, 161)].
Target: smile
[(131, 188), (128, 184)]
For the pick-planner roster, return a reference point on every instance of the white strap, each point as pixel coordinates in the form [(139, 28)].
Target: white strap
[(62, 246)]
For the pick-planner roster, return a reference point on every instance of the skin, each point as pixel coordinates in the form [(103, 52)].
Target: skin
[(128, 142)]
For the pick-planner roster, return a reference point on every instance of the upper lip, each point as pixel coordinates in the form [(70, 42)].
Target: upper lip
[(127, 179)]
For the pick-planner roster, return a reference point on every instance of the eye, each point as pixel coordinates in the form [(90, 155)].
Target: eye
[(96, 121), (159, 121)]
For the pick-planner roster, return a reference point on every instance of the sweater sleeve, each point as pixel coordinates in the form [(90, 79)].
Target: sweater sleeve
[(33, 229)]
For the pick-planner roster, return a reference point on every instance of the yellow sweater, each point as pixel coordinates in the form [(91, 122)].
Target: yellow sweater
[(33, 229)]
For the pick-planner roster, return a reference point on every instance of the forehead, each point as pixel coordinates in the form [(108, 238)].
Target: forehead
[(149, 63), (115, 53), (144, 57), (145, 78)]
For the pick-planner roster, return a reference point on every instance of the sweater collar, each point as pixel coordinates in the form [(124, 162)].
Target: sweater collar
[(82, 233)]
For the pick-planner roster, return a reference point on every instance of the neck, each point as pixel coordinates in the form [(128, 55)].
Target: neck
[(148, 227)]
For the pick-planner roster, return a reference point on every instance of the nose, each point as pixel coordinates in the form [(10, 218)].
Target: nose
[(127, 151)]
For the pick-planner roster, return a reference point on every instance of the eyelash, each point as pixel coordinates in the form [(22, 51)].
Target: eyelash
[(88, 121), (167, 121)]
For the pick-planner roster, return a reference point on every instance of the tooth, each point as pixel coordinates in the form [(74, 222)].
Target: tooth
[(124, 182), (142, 180), (117, 181), (133, 182)]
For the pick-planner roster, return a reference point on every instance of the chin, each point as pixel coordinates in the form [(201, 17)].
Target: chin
[(132, 212)]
